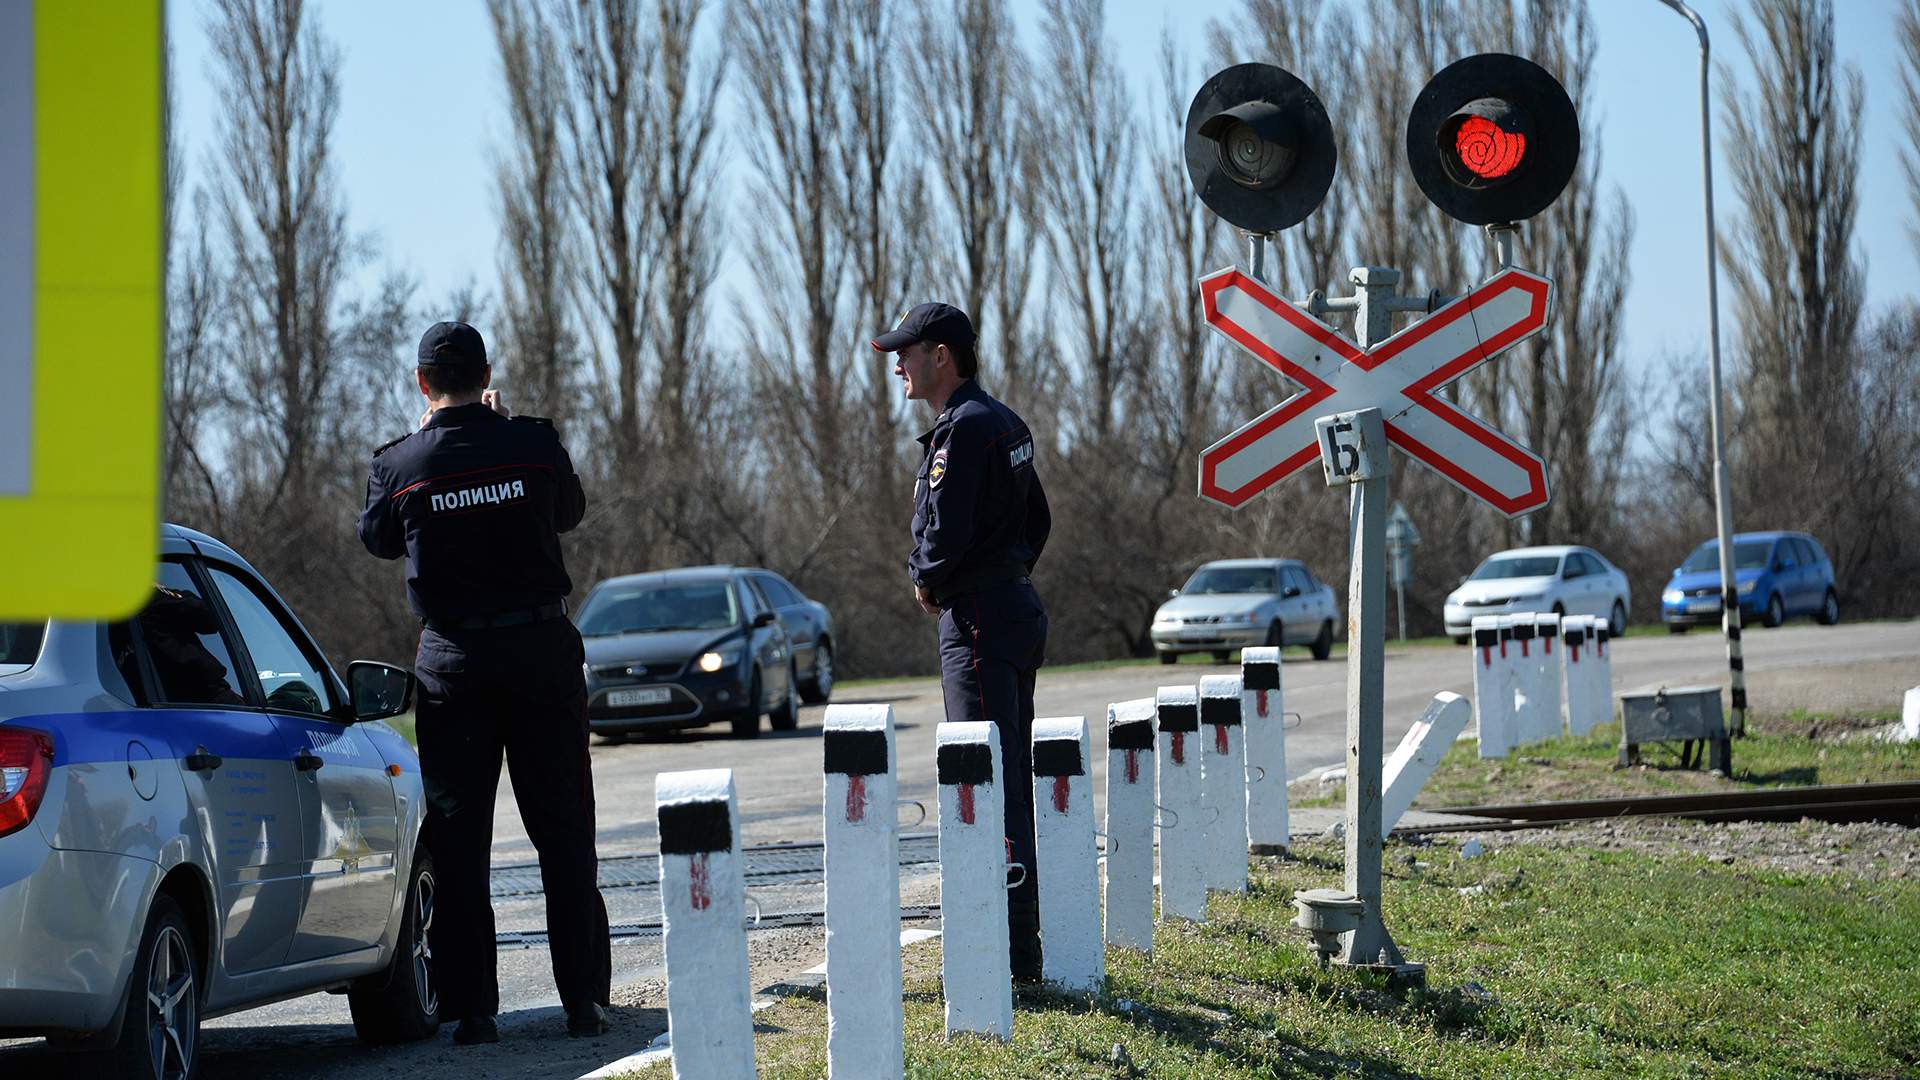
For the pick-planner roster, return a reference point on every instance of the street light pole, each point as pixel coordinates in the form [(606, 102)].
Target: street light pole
[(1723, 508)]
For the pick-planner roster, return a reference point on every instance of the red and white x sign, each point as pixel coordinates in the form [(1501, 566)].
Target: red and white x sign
[(1399, 377)]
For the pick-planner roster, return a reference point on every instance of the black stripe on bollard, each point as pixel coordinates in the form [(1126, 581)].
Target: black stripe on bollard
[(1179, 717), (1523, 631), (1738, 663), (1740, 698), (1486, 637), (1130, 735), (1601, 633), (1057, 757), (1259, 676), (1548, 629), (856, 753), (1220, 710), (1505, 631), (1575, 636), (964, 763), (1733, 633), (694, 828)]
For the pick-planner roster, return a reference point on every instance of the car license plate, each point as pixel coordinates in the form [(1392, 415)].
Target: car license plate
[(1197, 635), (1711, 603), (654, 696)]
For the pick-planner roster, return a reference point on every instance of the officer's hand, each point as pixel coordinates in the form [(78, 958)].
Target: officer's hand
[(491, 399), (925, 598)]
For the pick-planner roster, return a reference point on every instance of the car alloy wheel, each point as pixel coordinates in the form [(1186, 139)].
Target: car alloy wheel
[(1323, 644), (1617, 620), (424, 989), (172, 1008), (1776, 611), (1830, 609), (820, 687)]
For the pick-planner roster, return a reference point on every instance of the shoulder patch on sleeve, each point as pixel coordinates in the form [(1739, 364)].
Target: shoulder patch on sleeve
[(391, 443), (937, 471)]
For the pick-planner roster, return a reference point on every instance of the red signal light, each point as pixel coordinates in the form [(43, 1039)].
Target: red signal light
[(1486, 149)]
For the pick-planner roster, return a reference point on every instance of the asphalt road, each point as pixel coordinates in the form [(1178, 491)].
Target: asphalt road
[(778, 780)]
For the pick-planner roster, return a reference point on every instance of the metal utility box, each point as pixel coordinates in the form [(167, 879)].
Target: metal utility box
[(1683, 714)]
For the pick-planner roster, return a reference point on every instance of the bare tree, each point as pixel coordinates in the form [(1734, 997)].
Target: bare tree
[(1794, 146), (1907, 29), (608, 133), (976, 134), (538, 256)]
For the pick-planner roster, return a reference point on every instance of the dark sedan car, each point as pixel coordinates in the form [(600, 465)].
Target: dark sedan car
[(685, 648)]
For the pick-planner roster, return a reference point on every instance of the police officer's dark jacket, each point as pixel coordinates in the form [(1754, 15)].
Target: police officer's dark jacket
[(979, 513), (476, 502)]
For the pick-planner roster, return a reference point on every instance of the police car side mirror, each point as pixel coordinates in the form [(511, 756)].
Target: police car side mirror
[(1171, 593), (378, 690), (765, 618), (1290, 592)]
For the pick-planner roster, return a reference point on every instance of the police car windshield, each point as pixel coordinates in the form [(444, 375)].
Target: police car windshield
[(1524, 566), (650, 609), (20, 643), (1747, 555), (1231, 579)]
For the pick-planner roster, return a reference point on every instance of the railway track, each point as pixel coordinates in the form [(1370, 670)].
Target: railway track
[(1897, 804)]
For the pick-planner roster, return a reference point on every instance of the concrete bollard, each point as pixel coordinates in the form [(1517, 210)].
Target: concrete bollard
[(864, 1023), (703, 897), (1492, 702), (1130, 794), (1183, 839), (1546, 682), (1523, 674), (1073, 957), (1223, 781), (974, 971), (1262, 724), (1405, 772), (1910, 716), (1583, 705)]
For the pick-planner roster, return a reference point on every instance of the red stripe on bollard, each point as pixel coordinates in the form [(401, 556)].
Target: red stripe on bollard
[(1133, 766), (700, 890), (1262, 702), (1060, 794), (1219, 738), (1179, 747), (966, 803), (856, 798)]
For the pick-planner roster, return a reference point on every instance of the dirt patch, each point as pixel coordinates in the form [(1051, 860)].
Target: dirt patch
[(1866, 850)]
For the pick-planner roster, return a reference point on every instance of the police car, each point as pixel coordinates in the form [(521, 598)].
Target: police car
[(197, 816)]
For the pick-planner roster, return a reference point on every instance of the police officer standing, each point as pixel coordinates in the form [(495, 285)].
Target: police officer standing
[(476, 500), (979, 521)]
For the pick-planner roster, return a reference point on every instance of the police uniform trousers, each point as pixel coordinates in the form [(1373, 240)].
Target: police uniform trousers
[(518, 690), (992, 643)]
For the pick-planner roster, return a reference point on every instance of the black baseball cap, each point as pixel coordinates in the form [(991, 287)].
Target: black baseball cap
[(937, 322), (452, 343)]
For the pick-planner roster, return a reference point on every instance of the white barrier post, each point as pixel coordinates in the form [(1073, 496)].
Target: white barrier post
[(703, 897), (1418, 754), (1523, 659), (1603, 671), (1910, 715), (1130, 778), (1073, 957), (974, 971), (864, 1023), (1576, 642), (1223, 781), (1492, 704), (1183, 840), (1546, 680), (1262, 720)]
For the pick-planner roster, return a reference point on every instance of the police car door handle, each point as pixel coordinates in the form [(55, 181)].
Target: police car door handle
[(201, 761), (307, 761)]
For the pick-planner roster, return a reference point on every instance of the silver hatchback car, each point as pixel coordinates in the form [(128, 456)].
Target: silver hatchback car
[(1233, 603), (198, 816)]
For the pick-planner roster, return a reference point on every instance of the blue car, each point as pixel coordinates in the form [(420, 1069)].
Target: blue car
[(1778, 574), (199, 815)]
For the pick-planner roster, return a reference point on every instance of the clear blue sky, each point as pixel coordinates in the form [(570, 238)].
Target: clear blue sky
[(422, 110)]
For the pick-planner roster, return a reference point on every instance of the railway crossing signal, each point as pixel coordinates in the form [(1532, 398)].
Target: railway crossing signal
[(1492, 140)]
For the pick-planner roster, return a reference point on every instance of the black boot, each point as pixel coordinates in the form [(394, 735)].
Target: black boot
[(586, 1020), (475, 1030), (1023, 941)]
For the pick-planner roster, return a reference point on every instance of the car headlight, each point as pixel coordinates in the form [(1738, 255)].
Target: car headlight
[(1746, 587), (714, 661), (1673, 596)]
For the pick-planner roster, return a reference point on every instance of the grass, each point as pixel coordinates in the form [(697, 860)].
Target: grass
[(1794, 749), (1541, 962)]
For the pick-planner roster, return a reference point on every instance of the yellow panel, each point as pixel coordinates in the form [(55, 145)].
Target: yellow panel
[(82, 542)]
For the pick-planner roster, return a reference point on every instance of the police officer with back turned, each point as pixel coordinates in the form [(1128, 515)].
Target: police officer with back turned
[(979, 521), (476, 500)]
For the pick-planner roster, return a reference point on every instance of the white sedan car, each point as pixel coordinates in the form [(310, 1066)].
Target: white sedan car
[(1563, 579)]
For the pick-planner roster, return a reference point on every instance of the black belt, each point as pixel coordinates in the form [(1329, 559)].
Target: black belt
[(981, 580), (499, 619)]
